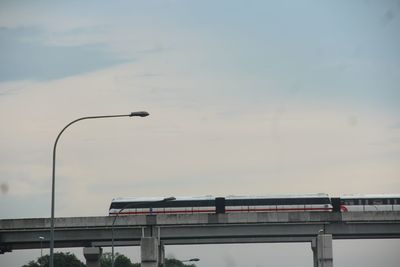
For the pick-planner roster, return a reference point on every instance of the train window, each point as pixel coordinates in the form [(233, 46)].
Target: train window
[(377, 202), (349, 202)]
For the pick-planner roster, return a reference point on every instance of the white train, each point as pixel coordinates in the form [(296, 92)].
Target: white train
[(274, 203), (382, 202)]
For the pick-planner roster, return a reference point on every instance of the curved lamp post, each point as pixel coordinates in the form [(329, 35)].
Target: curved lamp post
[(119, 212), (132, 114)]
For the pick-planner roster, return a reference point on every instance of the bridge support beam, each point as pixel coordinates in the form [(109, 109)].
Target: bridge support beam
[(92, 256), (322, 250), (152, 252)]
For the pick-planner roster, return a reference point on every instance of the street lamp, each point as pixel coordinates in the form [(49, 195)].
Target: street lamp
[(132, 114), (41, 238), (119, 212)]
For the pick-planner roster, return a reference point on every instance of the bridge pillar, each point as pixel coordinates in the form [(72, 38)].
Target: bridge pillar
[(150, 252), (92, 256), (322, 251)]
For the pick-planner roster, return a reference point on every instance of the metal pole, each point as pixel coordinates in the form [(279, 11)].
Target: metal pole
[(41, 238), (112, 234), (123, 208), (133, 114)]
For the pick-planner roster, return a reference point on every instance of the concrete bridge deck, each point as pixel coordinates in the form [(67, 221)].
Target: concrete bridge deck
[(198, 228)]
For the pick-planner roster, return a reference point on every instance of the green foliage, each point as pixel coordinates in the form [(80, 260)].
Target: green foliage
[(70, 260), (123, 261), (60, 260), (119, 261)]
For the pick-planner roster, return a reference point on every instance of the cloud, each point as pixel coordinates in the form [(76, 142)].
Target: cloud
[(24, 57), (194, 142)]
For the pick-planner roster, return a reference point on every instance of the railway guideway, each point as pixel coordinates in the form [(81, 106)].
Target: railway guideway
[(152, 232)]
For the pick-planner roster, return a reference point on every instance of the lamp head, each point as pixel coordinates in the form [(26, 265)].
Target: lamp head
[(139, 114), (194, 259), (169, 199)]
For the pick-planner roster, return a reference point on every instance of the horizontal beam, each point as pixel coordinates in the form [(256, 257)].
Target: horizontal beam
[(203, 234), (184, 219), (198, 229)]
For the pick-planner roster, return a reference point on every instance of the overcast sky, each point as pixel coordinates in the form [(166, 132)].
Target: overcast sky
[(245, 97)]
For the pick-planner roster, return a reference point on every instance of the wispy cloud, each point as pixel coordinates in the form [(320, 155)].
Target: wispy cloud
[(23, 57)]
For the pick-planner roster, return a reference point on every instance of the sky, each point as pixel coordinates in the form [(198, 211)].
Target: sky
[(245, 98)]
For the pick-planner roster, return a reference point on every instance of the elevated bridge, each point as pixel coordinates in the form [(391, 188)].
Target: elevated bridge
[(151, 232)]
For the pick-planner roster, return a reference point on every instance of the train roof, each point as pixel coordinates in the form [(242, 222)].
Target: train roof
[(358, 196), (210, 197), (310, 195), (152, 199)]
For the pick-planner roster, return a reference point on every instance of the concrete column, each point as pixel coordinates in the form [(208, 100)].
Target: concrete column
[(92, 256), (149, 250), (322, 251)]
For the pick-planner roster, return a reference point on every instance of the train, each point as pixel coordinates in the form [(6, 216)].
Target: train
[(320, 202)]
